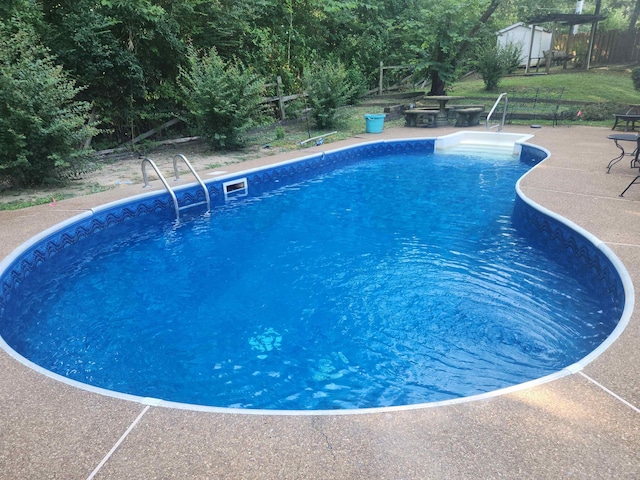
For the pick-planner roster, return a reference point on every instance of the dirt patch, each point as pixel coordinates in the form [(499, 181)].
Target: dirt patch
[(111, 172)]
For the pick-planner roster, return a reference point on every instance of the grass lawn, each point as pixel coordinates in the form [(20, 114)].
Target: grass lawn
[(598, 85)]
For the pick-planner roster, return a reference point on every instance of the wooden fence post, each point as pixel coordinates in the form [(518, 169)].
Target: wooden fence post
[(380, 78), (280, 99)]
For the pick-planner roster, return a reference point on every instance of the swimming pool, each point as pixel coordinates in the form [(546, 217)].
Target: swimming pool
[(265, 340)]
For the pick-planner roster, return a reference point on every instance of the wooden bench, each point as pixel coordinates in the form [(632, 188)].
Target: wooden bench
[(627, 118), (468, 117), (420, 117)]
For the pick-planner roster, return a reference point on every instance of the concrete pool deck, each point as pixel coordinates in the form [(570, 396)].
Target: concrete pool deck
[(585, 425)]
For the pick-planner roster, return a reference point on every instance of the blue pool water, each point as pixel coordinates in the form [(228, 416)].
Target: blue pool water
[(394, 281)]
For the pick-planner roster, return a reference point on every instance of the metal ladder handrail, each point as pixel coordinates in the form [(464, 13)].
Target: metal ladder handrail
[(198, 179), (500, 125), (176, 206), (162, 179)]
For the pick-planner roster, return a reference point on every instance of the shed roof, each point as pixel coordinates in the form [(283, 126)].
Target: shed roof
[(517, 25)]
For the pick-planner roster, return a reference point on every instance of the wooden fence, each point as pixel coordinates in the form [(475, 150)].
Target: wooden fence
[(392, 82), (609, 47), (389, 79), (280, 99)]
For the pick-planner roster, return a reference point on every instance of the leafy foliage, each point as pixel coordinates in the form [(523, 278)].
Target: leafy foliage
[(223, 98), (449, 36), (598, 112), (41, 124), (357, 84), (126, 56), (327, 89), (125, 53), (635, 77), (494, 63)]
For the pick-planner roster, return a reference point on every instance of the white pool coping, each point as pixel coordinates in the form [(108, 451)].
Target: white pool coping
[(445, 142)]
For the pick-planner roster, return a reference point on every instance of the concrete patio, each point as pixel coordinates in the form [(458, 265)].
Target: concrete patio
[(583, 426)]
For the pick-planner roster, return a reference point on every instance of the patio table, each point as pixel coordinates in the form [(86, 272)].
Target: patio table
[(624, 137)]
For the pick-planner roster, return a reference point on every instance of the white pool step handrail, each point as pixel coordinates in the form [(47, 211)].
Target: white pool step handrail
[(499, 125), (176, 206)]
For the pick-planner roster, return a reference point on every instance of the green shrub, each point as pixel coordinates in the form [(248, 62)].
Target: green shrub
[(635, 77), (509, 56), (494, 63), (357, 83), (41, 125), (224, 99), (328, 89), (295, 108), (598, 112)]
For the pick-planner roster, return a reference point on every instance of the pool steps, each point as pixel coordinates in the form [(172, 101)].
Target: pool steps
[(473, 149), (481, 142), (179, 156)]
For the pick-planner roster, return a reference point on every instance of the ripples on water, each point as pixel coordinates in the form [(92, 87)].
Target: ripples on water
[(396, 281)]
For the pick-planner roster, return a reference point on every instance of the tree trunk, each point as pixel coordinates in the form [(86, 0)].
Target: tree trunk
[(633, 18), (437, 83), (476, 28)]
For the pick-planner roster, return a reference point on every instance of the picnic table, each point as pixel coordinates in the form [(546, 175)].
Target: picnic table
[(442, 118)]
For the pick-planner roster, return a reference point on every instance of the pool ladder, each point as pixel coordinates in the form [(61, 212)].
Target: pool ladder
[(177, 157), (500, 124)]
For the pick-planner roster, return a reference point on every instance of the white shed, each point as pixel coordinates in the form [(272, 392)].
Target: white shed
[(520, 34)]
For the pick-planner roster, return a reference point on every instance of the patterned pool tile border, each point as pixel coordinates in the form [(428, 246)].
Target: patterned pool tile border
[(15, 268), (576, 248)]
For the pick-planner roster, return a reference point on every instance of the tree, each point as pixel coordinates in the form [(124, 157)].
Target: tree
[(453, 27), (633, 16), (522, 10), (42, 125), (125, 53)]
